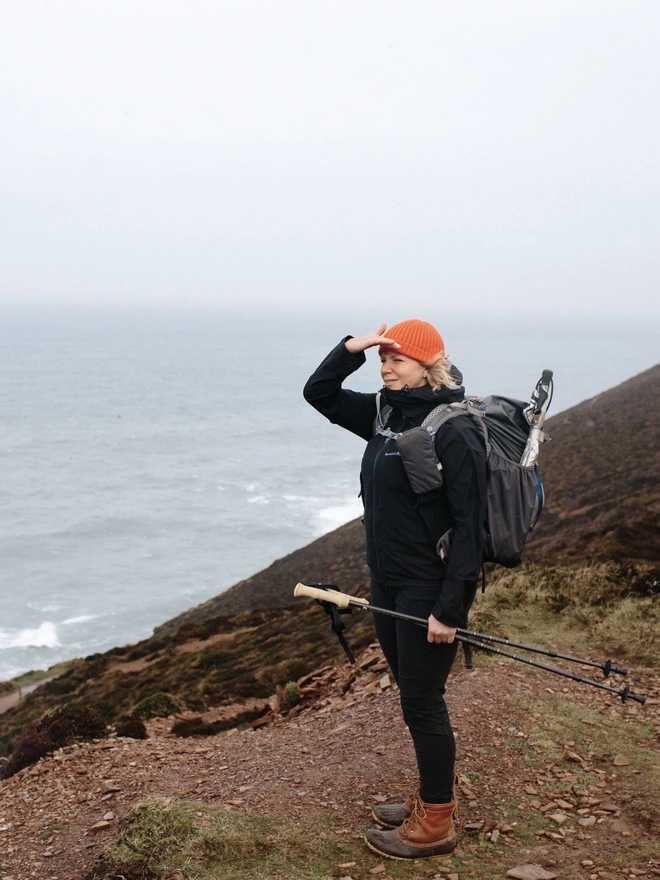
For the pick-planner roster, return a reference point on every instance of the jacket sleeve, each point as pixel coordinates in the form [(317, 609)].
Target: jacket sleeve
[(462, 453), (349, 409)]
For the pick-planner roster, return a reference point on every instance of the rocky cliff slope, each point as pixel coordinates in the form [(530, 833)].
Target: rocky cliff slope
[(601, 474)]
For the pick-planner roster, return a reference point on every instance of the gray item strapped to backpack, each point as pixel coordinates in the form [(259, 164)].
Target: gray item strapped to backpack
[(512, 431)]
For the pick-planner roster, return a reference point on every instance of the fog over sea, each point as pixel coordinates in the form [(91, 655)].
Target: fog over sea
[(151, 459)]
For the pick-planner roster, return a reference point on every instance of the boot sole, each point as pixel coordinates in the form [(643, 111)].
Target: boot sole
[(414, 855)]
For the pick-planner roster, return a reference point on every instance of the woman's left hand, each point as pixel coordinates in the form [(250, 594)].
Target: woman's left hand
[(439, 633)]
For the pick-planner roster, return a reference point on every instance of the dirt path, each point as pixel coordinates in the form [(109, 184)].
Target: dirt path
[(12, 699), (336, 757)]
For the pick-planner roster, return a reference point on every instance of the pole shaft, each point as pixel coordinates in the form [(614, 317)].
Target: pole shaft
[(624, 694), (502, 641), (564, 672)]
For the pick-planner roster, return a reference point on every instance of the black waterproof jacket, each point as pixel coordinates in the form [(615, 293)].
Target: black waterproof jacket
[(402, 529)]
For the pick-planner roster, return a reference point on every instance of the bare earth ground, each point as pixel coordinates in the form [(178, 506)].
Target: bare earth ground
[(338, 753)]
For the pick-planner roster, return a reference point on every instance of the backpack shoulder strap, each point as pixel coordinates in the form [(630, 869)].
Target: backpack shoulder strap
[(476, 407), (441, 414), (382, 415), (471, 406)]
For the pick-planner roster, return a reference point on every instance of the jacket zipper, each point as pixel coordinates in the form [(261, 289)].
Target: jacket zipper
[(378, 454)]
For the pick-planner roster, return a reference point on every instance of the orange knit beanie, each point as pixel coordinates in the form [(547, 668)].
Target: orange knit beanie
[(417, 339)]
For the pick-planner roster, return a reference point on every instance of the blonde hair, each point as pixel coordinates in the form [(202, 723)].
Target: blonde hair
[(439, 374)]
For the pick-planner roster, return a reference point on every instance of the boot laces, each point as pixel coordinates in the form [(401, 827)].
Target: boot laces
[(417, 816)]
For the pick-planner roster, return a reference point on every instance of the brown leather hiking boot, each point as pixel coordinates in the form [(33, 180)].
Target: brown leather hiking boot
[(393, 815), (429, 831)]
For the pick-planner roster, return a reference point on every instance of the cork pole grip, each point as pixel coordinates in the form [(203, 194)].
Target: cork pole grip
[(342, 600)]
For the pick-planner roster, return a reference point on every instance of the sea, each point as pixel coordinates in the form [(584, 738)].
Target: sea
[(152, 458)]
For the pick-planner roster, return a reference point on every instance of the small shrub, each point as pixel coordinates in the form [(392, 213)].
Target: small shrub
[(213, 657), (94, 665), (66, 724), (60, 686), (158, 705), (292, 693), (645, 581), (55, 729), (133, 727), (286, 670)]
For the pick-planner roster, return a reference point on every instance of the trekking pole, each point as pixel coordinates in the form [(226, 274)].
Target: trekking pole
[(329, 593), (607, 666), (625, 693)]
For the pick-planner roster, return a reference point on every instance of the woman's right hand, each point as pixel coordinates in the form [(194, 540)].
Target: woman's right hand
[(361, 343)]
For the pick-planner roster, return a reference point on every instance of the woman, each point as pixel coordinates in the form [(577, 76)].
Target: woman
[(407, 574)]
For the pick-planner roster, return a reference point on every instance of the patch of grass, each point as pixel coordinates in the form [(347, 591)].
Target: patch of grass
[(165, 839), (184, 840), (631, 627), (612, 607)]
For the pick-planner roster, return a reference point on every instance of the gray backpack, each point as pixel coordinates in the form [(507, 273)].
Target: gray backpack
[(512, 431)]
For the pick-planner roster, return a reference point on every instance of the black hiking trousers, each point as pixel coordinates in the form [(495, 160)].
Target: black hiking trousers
[(420, 668)]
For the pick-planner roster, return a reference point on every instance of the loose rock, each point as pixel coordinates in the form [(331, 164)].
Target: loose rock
[(621, 761), (530, 872)]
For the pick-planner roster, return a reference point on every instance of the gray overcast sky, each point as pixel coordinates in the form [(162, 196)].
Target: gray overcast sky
[(484, 154)]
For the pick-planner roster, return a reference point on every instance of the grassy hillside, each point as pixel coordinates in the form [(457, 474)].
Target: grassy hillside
[(215, 663), (228, 659)]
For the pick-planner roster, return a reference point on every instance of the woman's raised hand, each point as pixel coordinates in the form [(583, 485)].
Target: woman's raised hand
[(361, 343)]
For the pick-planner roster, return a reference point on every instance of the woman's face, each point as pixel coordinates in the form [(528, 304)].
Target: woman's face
[(398, 371)]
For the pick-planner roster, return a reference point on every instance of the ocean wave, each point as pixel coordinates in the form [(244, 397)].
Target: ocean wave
[(83, 618), (45, 636), (43, 608), (338, 514)]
